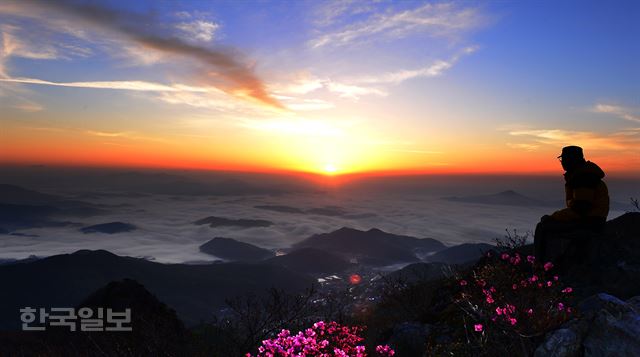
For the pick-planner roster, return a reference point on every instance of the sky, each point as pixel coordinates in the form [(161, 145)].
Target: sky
[(318, 86)]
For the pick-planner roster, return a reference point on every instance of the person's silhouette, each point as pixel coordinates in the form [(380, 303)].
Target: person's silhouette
[(587, 200)]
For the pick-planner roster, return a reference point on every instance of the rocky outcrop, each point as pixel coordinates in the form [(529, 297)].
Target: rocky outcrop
[(608, 326)]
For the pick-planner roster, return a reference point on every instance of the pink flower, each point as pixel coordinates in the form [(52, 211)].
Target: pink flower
[(531, 259), (533, 278), (547, 266), (560, 306), (555, 277), (490, 300), (385, 351), (499, 310), (567, 290), (481, 282), (569, 310), (514, 286), (477, 327), (505, 256), (549, 283), (530, 311), (512, 321), (463, 282), (492, 289)]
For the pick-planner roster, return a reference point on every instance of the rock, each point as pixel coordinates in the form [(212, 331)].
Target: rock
[(615, 330), (410, 339), (608, 326), (563, 342)]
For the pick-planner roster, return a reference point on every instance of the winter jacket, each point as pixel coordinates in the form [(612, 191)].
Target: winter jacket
[(586, 195)]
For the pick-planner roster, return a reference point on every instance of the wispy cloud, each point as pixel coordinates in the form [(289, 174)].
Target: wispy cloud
[(330, 11), (297, 127), (621, 112), (443, 19), (435, 69), (200, 30), (124, 85), (622, 140), (219, 67), (353, 91)]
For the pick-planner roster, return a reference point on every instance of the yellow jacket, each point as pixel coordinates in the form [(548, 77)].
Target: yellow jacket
[(586, 195)]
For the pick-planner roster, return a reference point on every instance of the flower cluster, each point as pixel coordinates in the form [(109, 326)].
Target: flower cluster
[(513, 294), (322, 340)]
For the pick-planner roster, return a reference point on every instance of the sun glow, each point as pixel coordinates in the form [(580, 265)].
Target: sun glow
[(330, 169)]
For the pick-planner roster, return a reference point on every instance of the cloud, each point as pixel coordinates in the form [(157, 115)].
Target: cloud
[(618, 111), (296, 127), (622, 140), (220, 67), (433, 19), (330, 11), (200, 30), (526, 147), (28, 106), (353, 91), (124, 85), (435, 69)]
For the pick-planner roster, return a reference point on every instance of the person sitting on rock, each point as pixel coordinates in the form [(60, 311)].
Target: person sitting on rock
[(587, 199)]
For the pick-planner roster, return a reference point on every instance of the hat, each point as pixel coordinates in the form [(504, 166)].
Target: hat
[(572, 151)]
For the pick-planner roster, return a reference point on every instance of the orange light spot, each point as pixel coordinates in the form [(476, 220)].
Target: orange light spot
[(355, 279)]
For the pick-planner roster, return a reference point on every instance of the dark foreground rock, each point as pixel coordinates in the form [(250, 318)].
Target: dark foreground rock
[(608, 326)]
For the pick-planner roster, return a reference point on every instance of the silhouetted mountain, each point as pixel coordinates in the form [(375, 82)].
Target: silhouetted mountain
[(109, 228), (14, 217), (460, 254), (508, 198), (280, 208), (371, 247), (172, 184), (194, 291), (22, 208), (231, 249), (222, 222), (21, 196), (155, 329), (419, 272), (311, 261)]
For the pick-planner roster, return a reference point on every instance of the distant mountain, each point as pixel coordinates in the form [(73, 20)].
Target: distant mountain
[(172, 184), (507, 198), (231, 249), (460, 254), (22, 208), (14, 217), (109, 228), (419, 272), (13, 194), (194, 291), (371, 247), (280, 208), (311, 261), (222, 222)]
